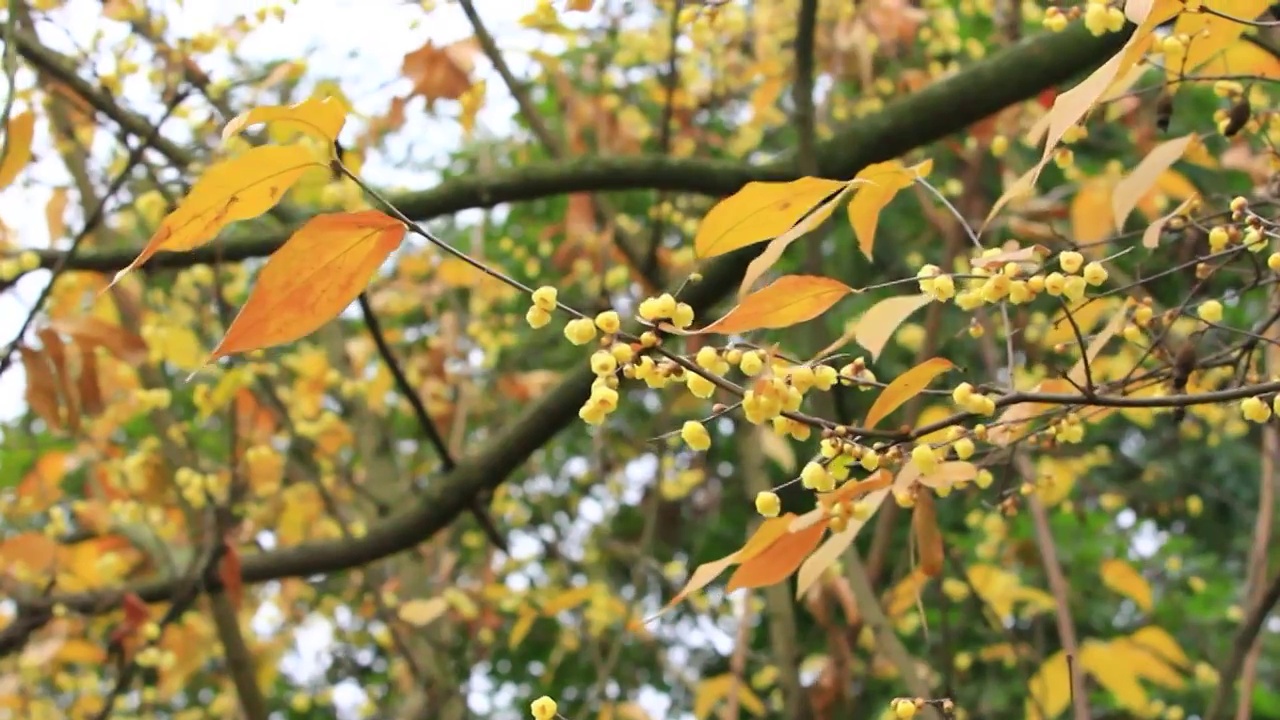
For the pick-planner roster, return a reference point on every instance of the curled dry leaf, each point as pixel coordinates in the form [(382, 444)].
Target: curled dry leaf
[(1127, 192), (317, 273), (787, 301), (906, 386), (758, 212), (42, 388), (322, 117), (1151, 236), (238, 189), (924, 525), (878, 324)]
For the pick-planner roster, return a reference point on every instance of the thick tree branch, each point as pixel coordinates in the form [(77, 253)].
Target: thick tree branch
[(948, 106)]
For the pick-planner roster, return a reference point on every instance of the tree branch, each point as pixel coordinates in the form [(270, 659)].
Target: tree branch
[(945, 107)]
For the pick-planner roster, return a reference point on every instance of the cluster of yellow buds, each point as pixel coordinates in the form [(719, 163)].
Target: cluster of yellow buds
[(1101, 18), (1056, 19), (967, 398), (770, 398), (1069, 430), (1010, 281), (665, 307), (936, 285), (841, 453), (840, 513), (198, 488), (786, 427), (1257, 410)]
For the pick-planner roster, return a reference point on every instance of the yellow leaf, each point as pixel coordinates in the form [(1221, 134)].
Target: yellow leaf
[(787, 301), (904, 387), (420, 612), (712, 691), (1050, 688), (54, 214), (1120, 576), (578, 5), (1136, 184), (1157, 640), (901, 597), (759, 211), (316, 274), (568, 600), (878, 324), (1087, 313), (521, 628), (237, 189), (949, 473), (1151, 236), (17, 142), (778, 561), (77, 650), (778, 245), (1212, 34), (321, 117), (1115, 673), (1243, 58), (1147, 664), (883, 181), (1091, 214)]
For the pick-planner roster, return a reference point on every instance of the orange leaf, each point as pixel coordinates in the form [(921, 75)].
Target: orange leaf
[(878, 324), (322, 117), (237, 189), (787, 301), (578, 5), (18, 144), (906, 386), (440, 72), (54, 214), (835, 545), (1131, 189), (883, 181), (88, 388), (317, 273), (1091, 214), (924, 525), (229, 574), (759, 211), (33, 552), (778, 561)]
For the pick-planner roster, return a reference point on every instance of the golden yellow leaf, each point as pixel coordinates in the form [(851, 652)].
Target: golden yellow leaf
[(1049, 688), (79, 650), (905, 594), (317, 273), (1211, 33), (712, 691), (1091, 215), (1115, 672), (1148, 664), (1130, 190), (421, 612), (237, 189), (761, 264), (1121, 577), (904, 387), (17, 139), (1243, 58), (321, 117), (787, 301), (55, 214), (878, 324), (778, 561), (948, 474), (1157, 640), (568, 600), (758, 212), (883, 181), (578, 5), (520, 630)]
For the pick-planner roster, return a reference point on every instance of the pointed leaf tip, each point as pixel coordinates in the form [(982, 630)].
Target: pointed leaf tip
[(313, 277), (787, 301)]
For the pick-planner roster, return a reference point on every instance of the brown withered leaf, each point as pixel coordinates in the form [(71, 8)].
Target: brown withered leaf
[(125, 346), (42, 388), (441, 72)]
